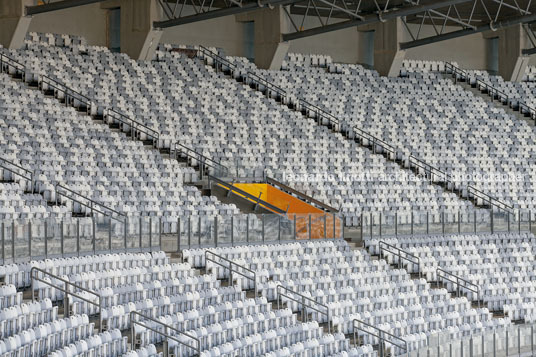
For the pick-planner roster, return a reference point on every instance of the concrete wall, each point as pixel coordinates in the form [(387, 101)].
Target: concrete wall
[(348, 45), (342, 46), (88, 21), (222, 32), (469, 51)]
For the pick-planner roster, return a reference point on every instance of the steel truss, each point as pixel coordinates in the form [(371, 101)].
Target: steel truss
[(530, 30), (52, 5), (452, 23)]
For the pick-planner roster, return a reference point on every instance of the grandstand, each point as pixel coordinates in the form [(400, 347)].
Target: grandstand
[(267, 178)]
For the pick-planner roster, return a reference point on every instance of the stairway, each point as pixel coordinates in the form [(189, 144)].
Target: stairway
[(489, 98)]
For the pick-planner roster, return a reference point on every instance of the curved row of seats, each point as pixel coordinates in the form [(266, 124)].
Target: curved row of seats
[(176, 96), (223, 318), (353, 286), (500, 265)]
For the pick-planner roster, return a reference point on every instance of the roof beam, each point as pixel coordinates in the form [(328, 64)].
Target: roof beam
[(250, 6), (460, 33), (372, 18), (60, 5)]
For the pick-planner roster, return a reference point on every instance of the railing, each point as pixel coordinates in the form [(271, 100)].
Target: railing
[(364, 137), (70, 96), (7, 63), (502, 340), (300, 195), (231, 270), (35, 239), (180, 150), (165, 334), (30, 175), (380, 334), (257, 200), (66, 291), (493, 92), (91, 204), (134, 125), (431, 170), (493, 202), (307, 303), (401, 254), (269, 86), (460, 283), (375, 142), (444, 222)]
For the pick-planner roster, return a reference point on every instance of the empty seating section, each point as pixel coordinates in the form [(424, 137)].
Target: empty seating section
[(530, 74), (355, 286), (187, 101), (516, 91), (502, 265), (223, 319), (411, 66), (427, 116), (63, 147)]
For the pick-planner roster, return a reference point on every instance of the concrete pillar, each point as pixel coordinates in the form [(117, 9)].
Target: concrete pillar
[(138, 38), (270, 24), (512, 41), (387, 54), (13, 22)]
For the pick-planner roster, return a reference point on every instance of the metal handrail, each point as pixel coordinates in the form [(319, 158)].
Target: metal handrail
[(165, 334), (384, 246), (492, 200), (502, 95), (431, 169), (5, 60), (134, 124), (66, 291), (231, 270), (380, 335), (202, 159), (266, 83), (214, 55), (457, 280), (375, 141), (300, 195), (91, 204), (302, 302), (31, 178), (54, 83), (247, 195)]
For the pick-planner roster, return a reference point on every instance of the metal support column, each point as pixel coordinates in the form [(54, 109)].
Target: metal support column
[(46, 240), (247, 228), (140, 236), (215, 231), (396, 224), (232, 230), (94, 236), (310, 226), (110, 234), (30, 239), (491, 220), (199, 231), (178, 234), (61, 237)]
